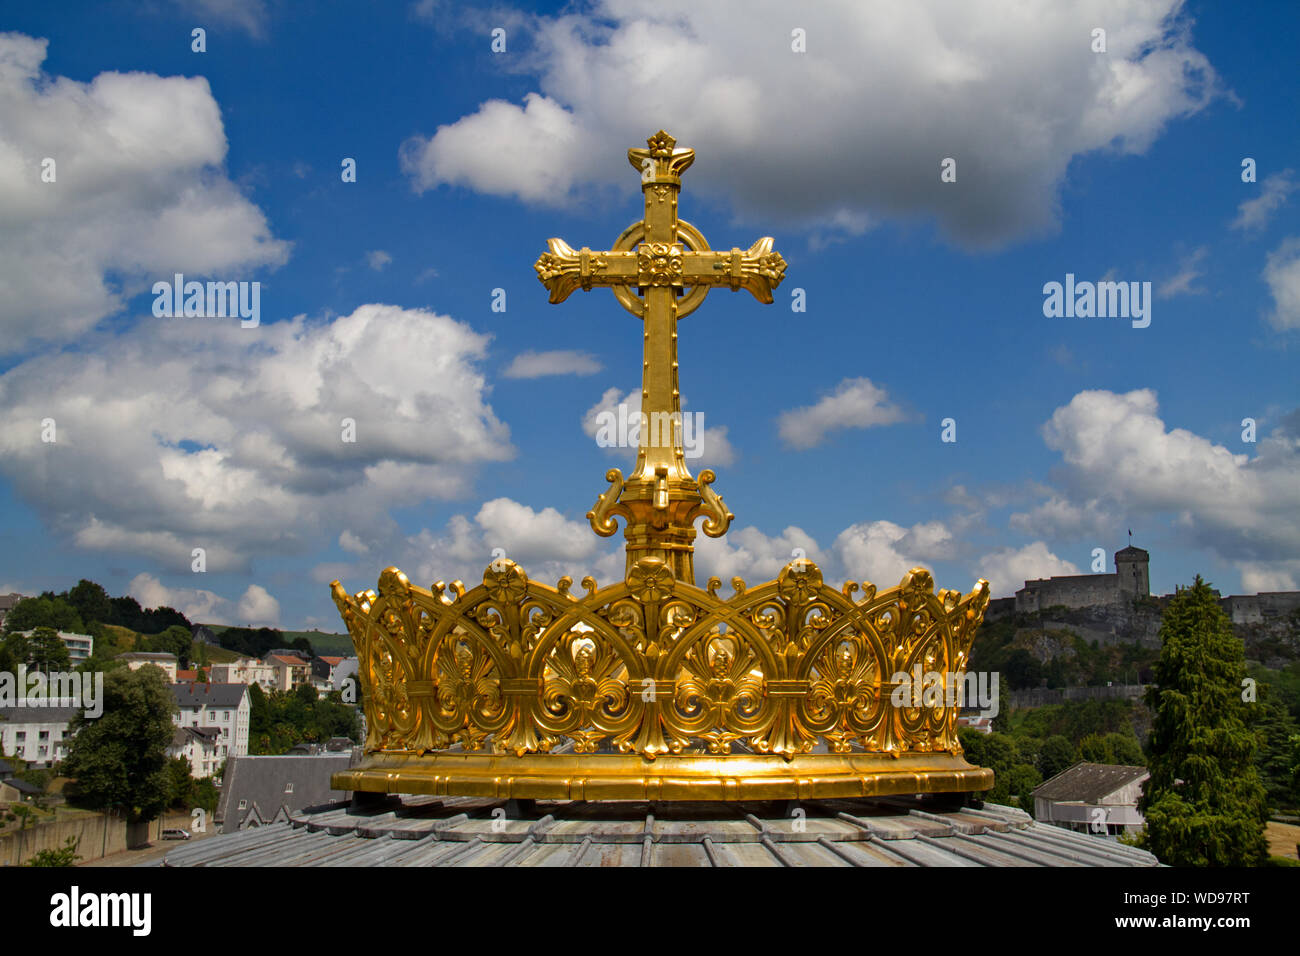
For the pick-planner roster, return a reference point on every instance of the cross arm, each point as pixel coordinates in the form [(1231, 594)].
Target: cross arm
[(564, 269), (758, 269)]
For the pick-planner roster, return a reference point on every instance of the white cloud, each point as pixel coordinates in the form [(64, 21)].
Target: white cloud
[(1255, 213), (1280, 576), (706, 446), (352, 543), (1011, 91), (247, 15), (1282, 273), (1181, 282), (164, 442), (377, 259), (855, 403), (139, 194), (882, 552), (560, 362), (750, 554), (544, 542), (1007, 569), (255, 608), (1119, 458)]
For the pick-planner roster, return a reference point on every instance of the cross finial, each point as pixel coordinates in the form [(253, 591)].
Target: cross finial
[(660, 270)]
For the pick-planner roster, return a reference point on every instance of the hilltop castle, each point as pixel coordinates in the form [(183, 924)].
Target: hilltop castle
[(1131, 581)]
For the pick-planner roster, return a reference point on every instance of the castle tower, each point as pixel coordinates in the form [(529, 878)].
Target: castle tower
[(1131, 570)]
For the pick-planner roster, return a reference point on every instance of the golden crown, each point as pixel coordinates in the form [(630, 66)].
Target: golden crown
[(651, 687)]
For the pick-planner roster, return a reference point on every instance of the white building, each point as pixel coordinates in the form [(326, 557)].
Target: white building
[(246, 670), (223, 708), (80, 646), (1096, 798), (138, 659), (38, 735), (200, 748)]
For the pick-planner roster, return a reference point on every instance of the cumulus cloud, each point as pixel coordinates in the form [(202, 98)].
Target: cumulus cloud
[(1118, 458), (187, 456), (256, 607), (1007, 569), (1255, 213), (559, 362), (882, 552), (707, 445), (139, 194), (377, 259), (1282, 273), (750, 554), (1013, 93), (855, 403), (544, 542)]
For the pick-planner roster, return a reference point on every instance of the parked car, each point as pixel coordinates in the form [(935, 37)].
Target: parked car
[(174, 833)]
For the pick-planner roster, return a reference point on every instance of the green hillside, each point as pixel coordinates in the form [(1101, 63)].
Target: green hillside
[(322, 642)]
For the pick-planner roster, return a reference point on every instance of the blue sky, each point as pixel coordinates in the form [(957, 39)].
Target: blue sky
[(924, 298)]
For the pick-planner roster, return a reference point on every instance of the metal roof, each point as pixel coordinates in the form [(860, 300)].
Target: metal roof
[(1088, 782), (209, 695), (471, 831)]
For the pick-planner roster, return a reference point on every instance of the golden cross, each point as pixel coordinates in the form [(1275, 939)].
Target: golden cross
[(651, 267)]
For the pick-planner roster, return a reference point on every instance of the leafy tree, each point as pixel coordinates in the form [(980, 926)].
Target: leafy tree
[(174, 640), (91, 601), (64, 856), (1204, 803), (1093, 749), (46, 652), (1057, 754), (119, 759), (43, 611), (1274, 727), (1125, 750)]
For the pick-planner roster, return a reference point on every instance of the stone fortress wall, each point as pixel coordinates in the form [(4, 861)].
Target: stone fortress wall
[(1114, 594)]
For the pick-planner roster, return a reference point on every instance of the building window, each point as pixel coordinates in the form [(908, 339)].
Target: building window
[(288, 788), (243, 804)]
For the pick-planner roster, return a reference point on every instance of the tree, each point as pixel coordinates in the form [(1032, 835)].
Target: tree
[(1204, 803), (43, 611), (1274, 727), (1056, 755), (1125, 750), (91, 601), (174, 640), (46, 651), (64, 856), (119, 759)]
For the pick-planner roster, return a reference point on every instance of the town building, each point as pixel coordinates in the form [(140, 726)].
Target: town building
[(290, 667), (200, 747), (7, 602), (138, 659), (246, 670), (324, 671), (258, 790), (13, 790), (1096, 798), (80, 646), (38, 735), (221, 707)]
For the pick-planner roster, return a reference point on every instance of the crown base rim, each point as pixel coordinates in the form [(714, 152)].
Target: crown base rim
[(687, 778)]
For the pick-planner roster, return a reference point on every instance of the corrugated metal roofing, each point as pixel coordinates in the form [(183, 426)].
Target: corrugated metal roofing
[(467, 831), (1088, 782)]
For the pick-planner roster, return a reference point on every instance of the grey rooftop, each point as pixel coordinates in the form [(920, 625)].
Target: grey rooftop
[(464, 831)]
